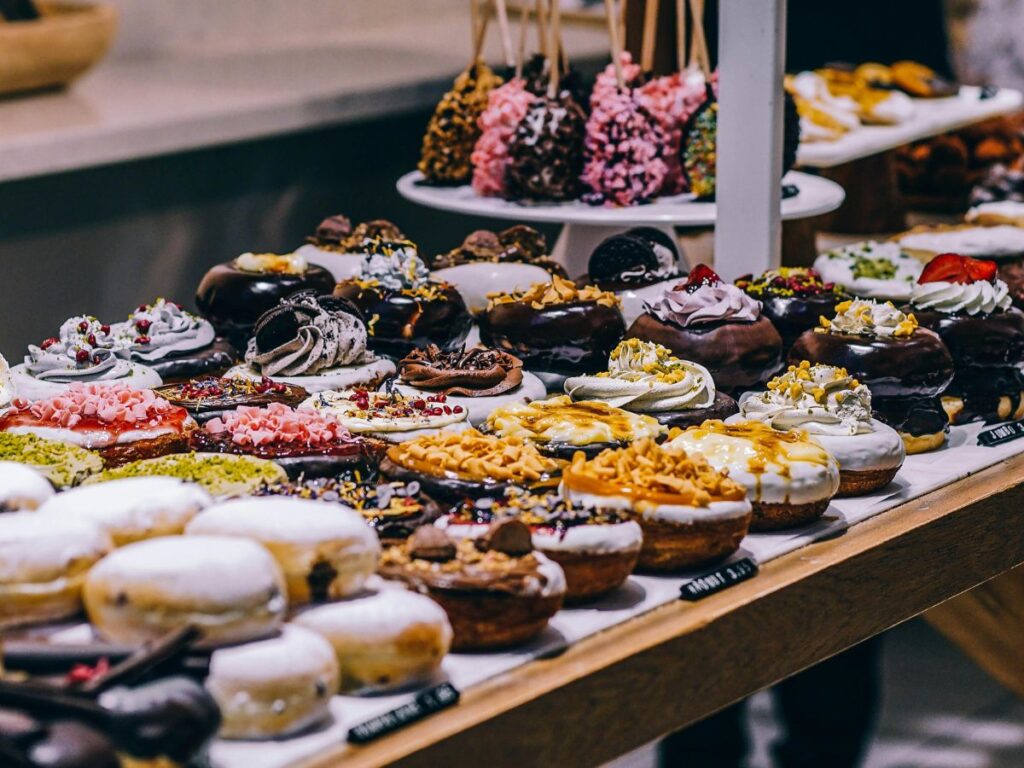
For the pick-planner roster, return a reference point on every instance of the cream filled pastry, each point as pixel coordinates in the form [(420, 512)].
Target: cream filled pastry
[(84, 352), (389, 416), (314, 342), (995, 242), (691, 514), (870, 270), (789, 476), (560, 427), (835, 409), (22, 488)]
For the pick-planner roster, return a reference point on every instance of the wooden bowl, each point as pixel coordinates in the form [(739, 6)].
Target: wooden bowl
[(65, 41)]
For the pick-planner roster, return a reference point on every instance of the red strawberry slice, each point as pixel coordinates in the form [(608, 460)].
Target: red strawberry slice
[(701, 275), (954, 268)]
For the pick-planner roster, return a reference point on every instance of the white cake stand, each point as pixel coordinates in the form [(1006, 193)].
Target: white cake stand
[(584, 226)]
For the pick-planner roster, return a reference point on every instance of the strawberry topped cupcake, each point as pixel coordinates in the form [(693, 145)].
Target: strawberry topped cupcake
[(122, 424), (969, 307)]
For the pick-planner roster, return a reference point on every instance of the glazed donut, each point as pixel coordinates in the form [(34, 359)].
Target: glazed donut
[(22, 487), (384, 639), (230, 589), (276, 687), (325, 550), (43, 560), (135, 508)]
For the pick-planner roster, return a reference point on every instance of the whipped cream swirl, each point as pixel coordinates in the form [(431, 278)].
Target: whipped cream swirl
[(84, 350), (819, 399), (862, 317), (645, 377), (395, 266), (160, 329), (978, 298), (323, 338), (708, 304)]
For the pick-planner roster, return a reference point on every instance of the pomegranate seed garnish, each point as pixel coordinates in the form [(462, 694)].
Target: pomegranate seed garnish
[(81, 355), (92, 339), (457, 409), (83, 326), (105, 329), (142, 339), (47, 343)]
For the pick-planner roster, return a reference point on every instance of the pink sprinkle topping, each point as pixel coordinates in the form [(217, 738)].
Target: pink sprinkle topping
[(506, 108), (672, 100), (277, 423), (117, 403)]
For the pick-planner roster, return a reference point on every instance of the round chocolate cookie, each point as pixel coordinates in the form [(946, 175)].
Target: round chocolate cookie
[(722, 408), (639, 256)]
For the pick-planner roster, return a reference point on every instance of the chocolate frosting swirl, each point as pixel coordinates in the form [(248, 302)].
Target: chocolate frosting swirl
[(478, 372)]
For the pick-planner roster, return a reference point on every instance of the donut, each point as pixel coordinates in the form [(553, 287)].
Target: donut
[(134, 508), (22, 487), (325, 550), (273, 688), (383, 640), (43, 561), (231, 589)]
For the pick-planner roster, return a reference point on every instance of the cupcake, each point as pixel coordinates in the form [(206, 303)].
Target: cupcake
[(388, 416), (789, 476), (221, 474), (489, 262), (555, 328), (870, 270), (644, 377), (497, 591), (716, 325), (339, 247), (452, 466), (314, 342), (691, 514), (405, 308), (596, 548), (209, 396), (637, 266), (968, 306), (834, 409), (905, 367), (176, 344), (85, 351), (478, 379), (302, 442), (63, 464), (560, 427), (120, 423), (793, 298), (233, 295)]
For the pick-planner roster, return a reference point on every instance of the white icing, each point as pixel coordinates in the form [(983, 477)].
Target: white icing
[(92, 438), (479, 408), (820, 400), (341, 377), (668, 513), (171, 329), (553, 578), (123, 372), (896, 107), (22, 488), (294, 654), (598, 538), (395, 266), (342, 266), (1000, 240), (38, 548), (474, 281), (377, 617), (862, 317), (339, 404), (633, 299), (997, 212), (977, 298), (881, 448), (837, 266)]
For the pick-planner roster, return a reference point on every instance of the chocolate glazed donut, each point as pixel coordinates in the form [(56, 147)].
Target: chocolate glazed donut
[(984, 341), (738, 354), (573, 338), (792, 315)]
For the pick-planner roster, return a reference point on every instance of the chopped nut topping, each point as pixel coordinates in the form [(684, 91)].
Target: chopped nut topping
[(558, 291), (475, 456)]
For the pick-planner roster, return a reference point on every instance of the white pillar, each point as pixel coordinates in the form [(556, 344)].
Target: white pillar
[(751, 58)]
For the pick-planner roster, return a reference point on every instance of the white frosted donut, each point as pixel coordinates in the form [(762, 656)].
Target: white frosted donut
[(595, 539), (383, 640), (135, 508), (231, 589), (326, 550), (275, 687), (342, 266), (882, 448), (22, 487), (366, 375), (475, 280), (479, 408), (43, 562), (843, 266)]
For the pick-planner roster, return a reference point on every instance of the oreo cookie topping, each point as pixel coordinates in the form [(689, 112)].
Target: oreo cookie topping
[(477, 372), (639, 255)]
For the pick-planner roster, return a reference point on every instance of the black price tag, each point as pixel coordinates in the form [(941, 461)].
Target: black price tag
[(426, 703), (1004, 433), (718, 579)]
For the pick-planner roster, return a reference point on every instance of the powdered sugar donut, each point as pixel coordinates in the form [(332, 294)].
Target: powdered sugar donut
[(135, 508), (22, 487), (325, 550), (385, 639), (231, 589), (276, 687)]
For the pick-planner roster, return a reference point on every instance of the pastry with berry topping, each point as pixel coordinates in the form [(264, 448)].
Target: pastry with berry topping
[(315, 342), (557, 329), (596, 548), (404, 308), (968, 306), (562, 428), (793, 298), (716, 325), (221, 474), (478, 379), (174, 343), (834, 409), (389, 416), (870, 270), (84, 351), (690, 513), (302, 442), (233, 295), (209, 396), (644, 377), (120, 423), (339, 247), (905, 366), (497, 590)]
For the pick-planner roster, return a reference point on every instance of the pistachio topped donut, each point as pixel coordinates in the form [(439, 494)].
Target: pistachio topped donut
[(793, 298)]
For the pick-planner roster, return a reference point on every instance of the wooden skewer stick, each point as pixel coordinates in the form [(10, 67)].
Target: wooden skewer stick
[(613, 39), (524, 28), (474, 22), (481, 35), (698, 40), (506, 35), (554, 32), (680, 35), (648, 41), (542, 27)]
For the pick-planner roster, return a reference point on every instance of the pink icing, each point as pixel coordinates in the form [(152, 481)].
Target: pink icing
[(623, 150), (708, 304), (506, 108), (113, 404), (607, 86), (277, 423), (672, 100)]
